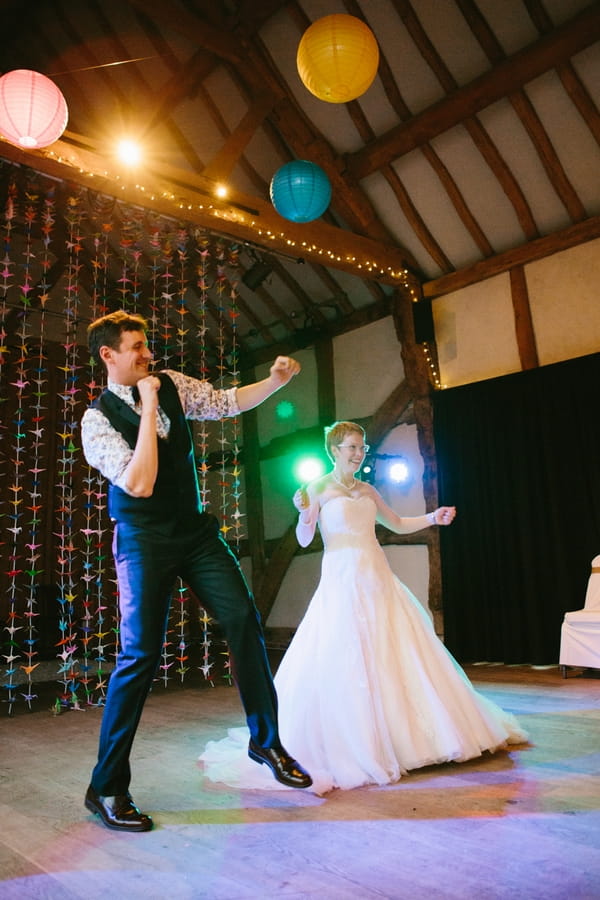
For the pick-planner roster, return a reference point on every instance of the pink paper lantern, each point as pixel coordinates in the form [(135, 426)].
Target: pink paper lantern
[(33, 111)]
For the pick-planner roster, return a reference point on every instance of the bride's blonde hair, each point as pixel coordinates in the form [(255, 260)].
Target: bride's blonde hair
[(335, 434)]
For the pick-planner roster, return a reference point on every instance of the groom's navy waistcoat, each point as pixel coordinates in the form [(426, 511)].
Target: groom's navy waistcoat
[(175, 499)]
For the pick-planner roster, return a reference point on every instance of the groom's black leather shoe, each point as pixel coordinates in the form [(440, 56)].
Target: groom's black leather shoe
[(285, 769), (119, 812)]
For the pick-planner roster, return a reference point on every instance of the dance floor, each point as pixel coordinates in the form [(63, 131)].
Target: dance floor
[(520, 825)]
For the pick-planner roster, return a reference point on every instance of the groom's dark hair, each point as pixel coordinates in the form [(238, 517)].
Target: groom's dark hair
[(107, 331)]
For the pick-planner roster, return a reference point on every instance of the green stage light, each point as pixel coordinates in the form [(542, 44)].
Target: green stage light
[(285, 409), (308, 468)]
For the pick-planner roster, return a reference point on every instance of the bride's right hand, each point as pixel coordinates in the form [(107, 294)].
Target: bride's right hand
[(300, 499)]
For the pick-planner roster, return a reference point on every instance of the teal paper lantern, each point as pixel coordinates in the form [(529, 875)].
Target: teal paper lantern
[(300, 191)]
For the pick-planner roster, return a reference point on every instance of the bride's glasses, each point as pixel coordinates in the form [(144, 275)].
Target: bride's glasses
[(362, 448)]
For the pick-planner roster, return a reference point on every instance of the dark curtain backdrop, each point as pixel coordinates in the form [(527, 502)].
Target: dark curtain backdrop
[(520, 458)]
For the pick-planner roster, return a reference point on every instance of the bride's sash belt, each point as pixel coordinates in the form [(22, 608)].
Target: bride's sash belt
[(348, 542)]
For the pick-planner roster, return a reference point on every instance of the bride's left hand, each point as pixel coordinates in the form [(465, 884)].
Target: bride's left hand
[(444, 515)]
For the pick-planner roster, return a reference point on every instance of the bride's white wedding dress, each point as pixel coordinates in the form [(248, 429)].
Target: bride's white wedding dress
[(367, 691)]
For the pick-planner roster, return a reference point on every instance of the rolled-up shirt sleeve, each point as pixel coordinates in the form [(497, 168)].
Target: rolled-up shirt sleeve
[(104, 448), (200, 400), (107, 450)]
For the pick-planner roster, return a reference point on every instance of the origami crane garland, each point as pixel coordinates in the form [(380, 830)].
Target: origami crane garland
[(100, 622), (37, 452)]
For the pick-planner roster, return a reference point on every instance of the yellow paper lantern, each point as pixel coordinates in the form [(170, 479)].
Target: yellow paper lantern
[(337, 58)]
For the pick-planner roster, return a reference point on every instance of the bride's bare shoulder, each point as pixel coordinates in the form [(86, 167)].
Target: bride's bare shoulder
[(319, 485)]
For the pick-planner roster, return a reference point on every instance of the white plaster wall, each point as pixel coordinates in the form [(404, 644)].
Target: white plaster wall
[(406, 499), (564, 295), (279, 481), (297, 588), (410, 564), (277, 474), (368, 366), (475, 328), (475, 332), (278, 486), (301, 392)]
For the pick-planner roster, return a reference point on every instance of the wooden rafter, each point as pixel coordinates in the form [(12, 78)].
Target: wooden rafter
[(480, 138), (222, 164), (389, 413), (503, 262), (525, 111), (477, 132), (184, 195), (505, 78)]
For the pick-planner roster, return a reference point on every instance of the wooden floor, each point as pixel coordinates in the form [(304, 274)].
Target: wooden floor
[(522, 825)]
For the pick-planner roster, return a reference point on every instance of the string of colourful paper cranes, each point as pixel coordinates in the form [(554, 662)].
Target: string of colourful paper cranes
[(337, 60)]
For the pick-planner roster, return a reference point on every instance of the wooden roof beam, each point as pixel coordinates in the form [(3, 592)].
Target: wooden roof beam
[(503, 262), (508, 76), (222, 164), (175, 17), (184, 195)]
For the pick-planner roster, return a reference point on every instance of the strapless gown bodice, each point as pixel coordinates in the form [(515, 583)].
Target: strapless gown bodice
[(348, 522)]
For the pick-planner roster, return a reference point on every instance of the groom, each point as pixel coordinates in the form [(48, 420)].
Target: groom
[(137, 435)]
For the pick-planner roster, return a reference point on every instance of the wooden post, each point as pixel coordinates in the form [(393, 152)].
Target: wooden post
[(416, 371), (523, 321)]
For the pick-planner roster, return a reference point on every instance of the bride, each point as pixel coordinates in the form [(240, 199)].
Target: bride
[(367, 691)]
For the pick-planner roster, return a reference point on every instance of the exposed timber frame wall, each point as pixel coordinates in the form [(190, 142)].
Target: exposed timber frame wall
[(527, 313), (419, 389), (270, 560)]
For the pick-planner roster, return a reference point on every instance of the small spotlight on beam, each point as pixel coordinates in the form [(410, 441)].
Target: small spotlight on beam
[(399, 471), (256, 274)]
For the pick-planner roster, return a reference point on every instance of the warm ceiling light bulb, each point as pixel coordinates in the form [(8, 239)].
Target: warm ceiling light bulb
[(221, 191), (129, 152)]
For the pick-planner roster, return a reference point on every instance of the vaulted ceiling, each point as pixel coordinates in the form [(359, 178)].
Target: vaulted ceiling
[(477, 146)]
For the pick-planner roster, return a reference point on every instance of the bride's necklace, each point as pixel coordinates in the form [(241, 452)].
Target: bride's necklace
[(342, 483)]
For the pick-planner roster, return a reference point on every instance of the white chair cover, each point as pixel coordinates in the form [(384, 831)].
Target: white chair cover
[(580, 631), (592, 597)]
